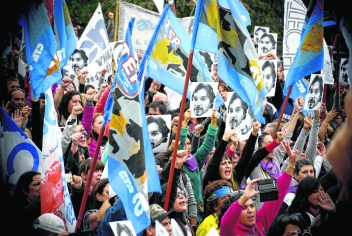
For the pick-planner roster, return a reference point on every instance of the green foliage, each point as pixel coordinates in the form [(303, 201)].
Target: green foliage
[(263, 12)]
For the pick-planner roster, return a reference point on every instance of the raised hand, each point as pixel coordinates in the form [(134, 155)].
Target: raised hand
[(280, 136), (325, 202), (17, 117), (307, 122), (186, 118), (256, 128), (198, 129), (76, 110), (214, 118), (227, 135)]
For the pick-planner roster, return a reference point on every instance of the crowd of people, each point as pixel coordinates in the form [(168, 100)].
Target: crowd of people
[(214, 185)]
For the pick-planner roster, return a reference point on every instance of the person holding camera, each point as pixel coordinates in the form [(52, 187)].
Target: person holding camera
[(242, 218)]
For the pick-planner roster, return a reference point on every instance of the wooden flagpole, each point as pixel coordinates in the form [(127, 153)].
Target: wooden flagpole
[(90, 176)]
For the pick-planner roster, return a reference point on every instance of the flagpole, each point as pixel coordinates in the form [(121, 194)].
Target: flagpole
[(90, 176), (116, 20), (177, 139), (283, 108)]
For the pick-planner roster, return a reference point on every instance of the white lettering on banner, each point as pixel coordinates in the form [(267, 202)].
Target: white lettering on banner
[(126, 180), (140, 204), (37, 52), (175, 40), (129, 66), (300, 86), (125, 49)]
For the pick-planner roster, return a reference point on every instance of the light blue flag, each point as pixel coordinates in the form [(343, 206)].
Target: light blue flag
[(221, 31), (18, 153), (41, 47), (309, 58), (166, 57), (131, 167), (66, 41), (66, 37)]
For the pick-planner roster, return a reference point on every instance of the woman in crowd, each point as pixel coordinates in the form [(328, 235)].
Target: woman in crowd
[(242, 217)]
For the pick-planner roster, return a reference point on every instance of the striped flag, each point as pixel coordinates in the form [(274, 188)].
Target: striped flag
[(220, 29), (131, 166)]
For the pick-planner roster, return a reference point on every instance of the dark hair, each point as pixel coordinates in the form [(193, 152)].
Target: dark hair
[(22, 187), (243, 104), (99, 186), (318, 79), (160, 105), (300, 163), (261, 138), (164, 130), (227, 203), (209, 89), (122, 228), (64, 103), (271, 65), (208, 191), (88, 86), (86, 164), (83, 55), (271, 38), (278, 226), (305, 188)]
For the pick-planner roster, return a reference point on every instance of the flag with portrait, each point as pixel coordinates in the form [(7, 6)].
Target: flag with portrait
[(309, 58), (132, 169), (167, 54), (221, 33)]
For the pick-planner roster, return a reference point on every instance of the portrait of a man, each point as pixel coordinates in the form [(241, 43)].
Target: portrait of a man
[(239, 116), (344, 71), (258, 32), (267, 44), (269, 75), (78, 60), (159, 130), (203, 98), (315, 92)]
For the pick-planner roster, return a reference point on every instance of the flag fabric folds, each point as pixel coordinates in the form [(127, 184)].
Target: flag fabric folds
[(41, 47), (18, 153), (128, 159), (222, 33), (166, 57), (309, 58), (56, 197), (65, 34)]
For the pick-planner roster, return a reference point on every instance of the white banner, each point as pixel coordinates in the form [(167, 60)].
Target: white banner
[(294, 16), (144, 25)]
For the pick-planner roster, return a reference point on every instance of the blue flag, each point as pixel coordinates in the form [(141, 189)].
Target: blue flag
[(166, 57), (65, 34), (219, 29), (310, 53), (41, 47), (18, 153), (131, 168)]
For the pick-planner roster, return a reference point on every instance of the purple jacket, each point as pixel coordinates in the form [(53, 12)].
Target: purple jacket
[(87, 122)]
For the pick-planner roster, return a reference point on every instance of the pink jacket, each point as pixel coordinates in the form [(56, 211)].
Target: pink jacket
[(230, 222)]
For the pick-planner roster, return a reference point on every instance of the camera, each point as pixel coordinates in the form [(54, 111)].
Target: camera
[(268, 190)]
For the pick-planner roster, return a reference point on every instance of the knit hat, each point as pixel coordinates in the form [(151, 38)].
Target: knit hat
[(50, 222), (158, 213)]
